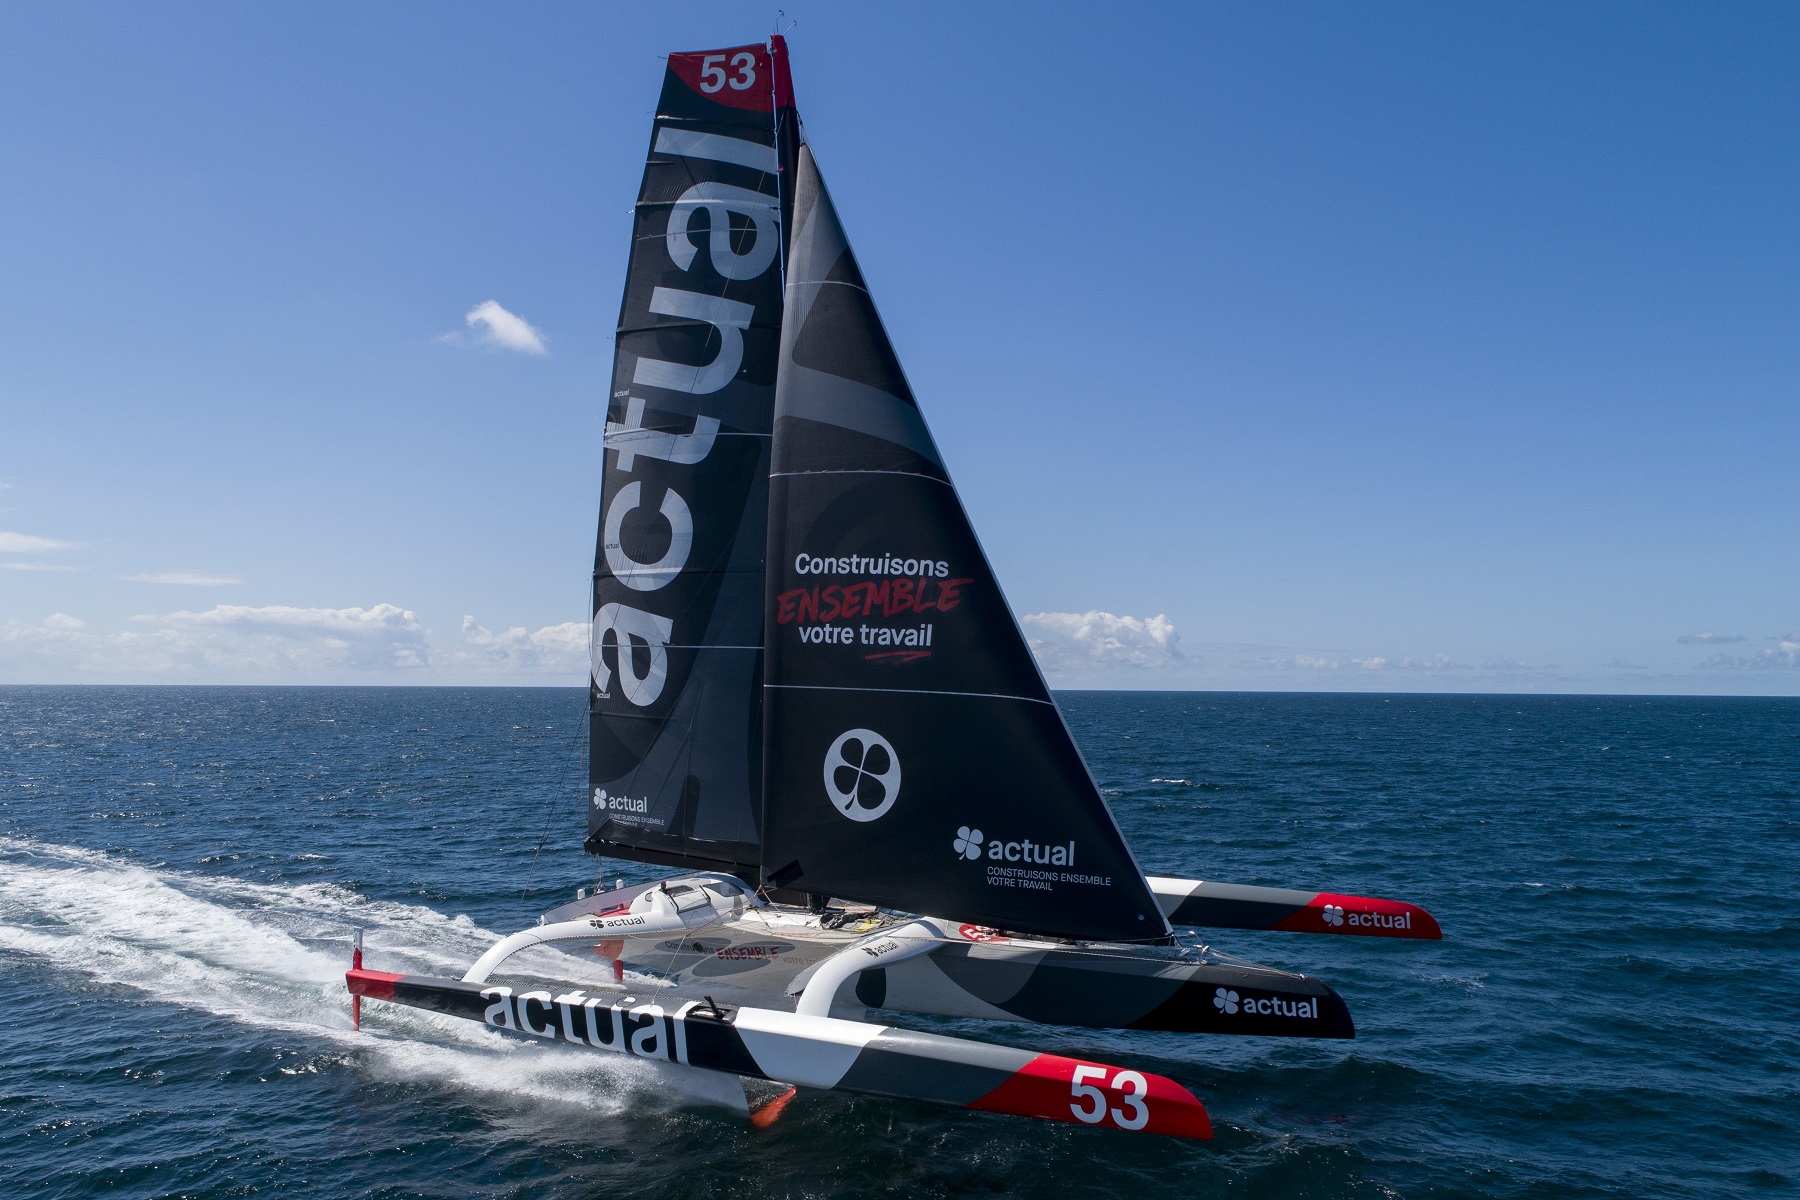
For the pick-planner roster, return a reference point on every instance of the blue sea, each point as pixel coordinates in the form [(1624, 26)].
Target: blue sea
[(1613, 1011)]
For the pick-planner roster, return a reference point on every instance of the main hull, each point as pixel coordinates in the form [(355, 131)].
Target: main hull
[(816, 1052), (699, 971)]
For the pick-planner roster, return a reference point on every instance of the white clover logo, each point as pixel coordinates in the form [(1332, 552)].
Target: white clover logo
[(968, 842), (862, 774), (1224, 1000), (1334, 915)]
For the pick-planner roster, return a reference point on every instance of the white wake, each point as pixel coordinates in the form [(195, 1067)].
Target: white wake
[(273, 957)]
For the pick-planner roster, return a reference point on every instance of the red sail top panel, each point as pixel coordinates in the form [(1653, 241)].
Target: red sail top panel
[(784, 82), (739, 77)]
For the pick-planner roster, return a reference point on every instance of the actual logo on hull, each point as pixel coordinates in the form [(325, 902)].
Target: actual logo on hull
[(1230, 1003), (1336, 917), (862, 774)]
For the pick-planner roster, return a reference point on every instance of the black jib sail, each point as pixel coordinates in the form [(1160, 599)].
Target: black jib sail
[(915, 757), (675, 722)]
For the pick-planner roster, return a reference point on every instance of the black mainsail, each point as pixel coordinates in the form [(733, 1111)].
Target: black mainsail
[(675, 722), (915, 758)]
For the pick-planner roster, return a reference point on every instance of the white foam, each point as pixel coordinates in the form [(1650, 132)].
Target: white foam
[(273, 957)]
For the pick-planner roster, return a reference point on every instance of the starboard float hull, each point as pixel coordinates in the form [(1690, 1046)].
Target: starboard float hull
[(1106, 988), (1288, 910), (817, 1052)]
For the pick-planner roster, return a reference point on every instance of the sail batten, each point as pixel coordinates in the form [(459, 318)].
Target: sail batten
[(913, 755)]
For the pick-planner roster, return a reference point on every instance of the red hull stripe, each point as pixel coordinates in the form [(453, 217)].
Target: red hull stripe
[(376, 985), (1055, 1088), (1361, 916)]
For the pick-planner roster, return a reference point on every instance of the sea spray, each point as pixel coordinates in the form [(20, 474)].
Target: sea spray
[(273, 958)]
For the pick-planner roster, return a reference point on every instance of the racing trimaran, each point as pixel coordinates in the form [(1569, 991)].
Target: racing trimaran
[(809, 695)]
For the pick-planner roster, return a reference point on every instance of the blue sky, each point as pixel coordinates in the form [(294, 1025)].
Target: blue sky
[(1375, 346)]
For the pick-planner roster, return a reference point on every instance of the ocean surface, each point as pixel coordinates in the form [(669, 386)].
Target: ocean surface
[(1613, 1012)]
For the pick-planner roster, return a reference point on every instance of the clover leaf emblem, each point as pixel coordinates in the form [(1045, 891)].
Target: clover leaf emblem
[(1225, 1000), (862, 774), (968, 842), (859, 772), (1334, 915)]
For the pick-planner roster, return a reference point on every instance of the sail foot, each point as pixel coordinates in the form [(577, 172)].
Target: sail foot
[(956, 806)]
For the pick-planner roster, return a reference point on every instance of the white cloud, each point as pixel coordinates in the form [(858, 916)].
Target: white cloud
[(43, 645), (284, 638), (1784, 654), (194, 578), (35, 566), (1707, 639), (1376, 662), (1090, 640), (553, 649), (234, 643), (227, 642), (25, 543), (1442, 662), (494, 326)]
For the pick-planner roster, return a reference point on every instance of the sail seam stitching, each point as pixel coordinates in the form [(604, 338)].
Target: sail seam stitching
[(819, 687), (858, 471)]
